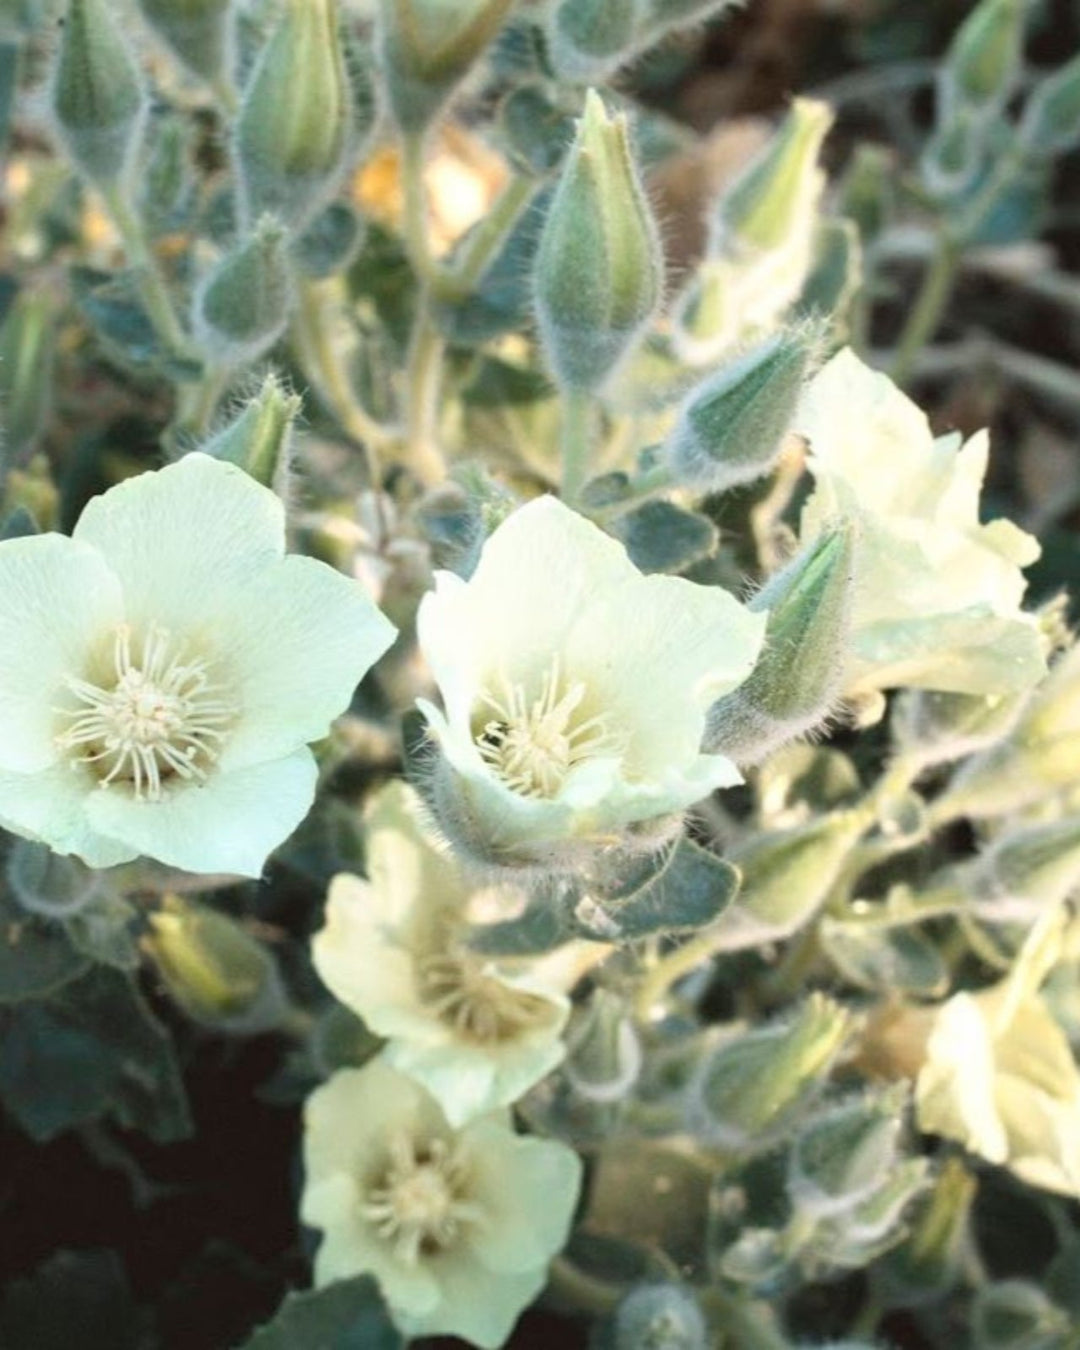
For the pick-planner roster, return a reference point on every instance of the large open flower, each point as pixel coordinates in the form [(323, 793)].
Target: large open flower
[(938, 598), (162, 671), (458, 1227), (575, 689), (393, 948)]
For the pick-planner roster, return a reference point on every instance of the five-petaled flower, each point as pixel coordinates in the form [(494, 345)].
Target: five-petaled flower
[(458, 1227), (163, 670), (575, 691)]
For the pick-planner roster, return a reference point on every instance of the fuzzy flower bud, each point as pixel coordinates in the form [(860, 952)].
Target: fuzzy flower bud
[(660, 1317), (731, 428), (196, 30), (604, 1056), (599, 267), (292, 131), (839, 1159), (244, 303), (983, 58), (800, 672), (98, 99), (258, 440), (426, 48), (1050, 125)]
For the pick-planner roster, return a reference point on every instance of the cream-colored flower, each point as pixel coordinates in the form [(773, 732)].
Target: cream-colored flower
[(938, 598), (163, 670), (575, 690), (393, 950), (458, 1227), (1000, 1076)]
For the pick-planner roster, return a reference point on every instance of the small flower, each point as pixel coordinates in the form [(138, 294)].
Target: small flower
[(393, 950), (937, 604), (458, 1227), (575, 691), (162, 671)]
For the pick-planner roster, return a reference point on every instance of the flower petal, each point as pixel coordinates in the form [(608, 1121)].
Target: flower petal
[(51, 807), (474, 1303), (58, 599), (231, 823)]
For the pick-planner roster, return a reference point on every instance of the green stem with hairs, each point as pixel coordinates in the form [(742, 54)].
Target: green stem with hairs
[(576, 409)]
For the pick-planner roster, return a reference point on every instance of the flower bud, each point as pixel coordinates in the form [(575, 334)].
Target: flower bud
[(983, 59), (840, 1158), (258, 439), (954, 156), (776, 196), (217, 973), (167, 180), (599, 268), (98, 99), (731, 429), (930, 1262), (660, 1317), (426, 48), (799, 674), (1050, 125), (244, 303), (747, 1092), (196, 30), (47, 883), (590, 38), (26, 359), (293, 127), (868, 190), (604, 1055), (708, 316)]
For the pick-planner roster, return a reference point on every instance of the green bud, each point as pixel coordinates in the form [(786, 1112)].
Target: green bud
[(983, 58), (167, 180), (1050, 125), (748, 1091), (867, 192), (46, 883), (98, 99), (258, 439), (243, 306), (196, 30), (216, 971), (778, 191), (955, 155), (294, 123), (930, 1261), (27, 339), (799, 673), (660, 1317), (839, 1159), (427, 47), (599, 267), (604, 1055), (732, 427), (1016, 1315), (862, 1233), (591, 38)]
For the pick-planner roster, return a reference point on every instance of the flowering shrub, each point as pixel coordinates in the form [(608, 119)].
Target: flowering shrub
[(540, 790)]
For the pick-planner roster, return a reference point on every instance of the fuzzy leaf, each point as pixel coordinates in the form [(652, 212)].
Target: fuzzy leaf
[(662, 537), (347, 1315)]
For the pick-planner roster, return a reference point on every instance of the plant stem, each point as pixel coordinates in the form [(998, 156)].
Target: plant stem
[(423, 382), (152, 287), (575, 443), (415, 223), (485, 240), (930, 303)]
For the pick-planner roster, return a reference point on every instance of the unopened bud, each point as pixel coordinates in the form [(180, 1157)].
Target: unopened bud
[(97, 93), (799, 674), (599, 267), (747, 1092), (868, 189), (26, 359), (708, 316), (604, 1055), (243, 306), (196, 30), (732, 427), (216, 971), (841, 1157), (167, 180), (1016, 1315), (45, 883), (930, 1261), (1050, 125), (294, 124), (660, 1317), (258, 439), (590, 38), (427, 47), (983, 59)]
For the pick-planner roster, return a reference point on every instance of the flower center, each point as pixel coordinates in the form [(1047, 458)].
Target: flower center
[(533, 746), (419, 1203), (159, 717), (475, 1004)]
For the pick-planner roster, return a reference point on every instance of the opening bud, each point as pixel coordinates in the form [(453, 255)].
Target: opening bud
[(983, 59), (590, 38), (244, 303), (660, 1317), (839, 1159), (732, 427), (216, 971), (293, 127), (604, 1055), (97, 99), (426, 48), (799, 674), (599, 265), (747, 1093), (1050, 125), (197, 31), (258, 440)]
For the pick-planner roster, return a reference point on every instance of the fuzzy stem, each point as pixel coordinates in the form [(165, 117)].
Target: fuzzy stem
[(929, 307), (423, 383), (575, 443), (151, 284), (484, 242)]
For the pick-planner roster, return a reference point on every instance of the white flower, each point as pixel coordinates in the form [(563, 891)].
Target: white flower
[(1000, 1076), (458, 1227), (393, 950), (938, 598), (162, 671), (575, 690)]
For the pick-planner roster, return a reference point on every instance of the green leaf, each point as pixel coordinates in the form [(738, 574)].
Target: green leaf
[(453, 525), (36, 955), (80, 1297), (95, 1049), (889, 959), (110, 303), (662, 537), (9, 82), (538, 132), (330, 242), (347, 1315), (542, 926)]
